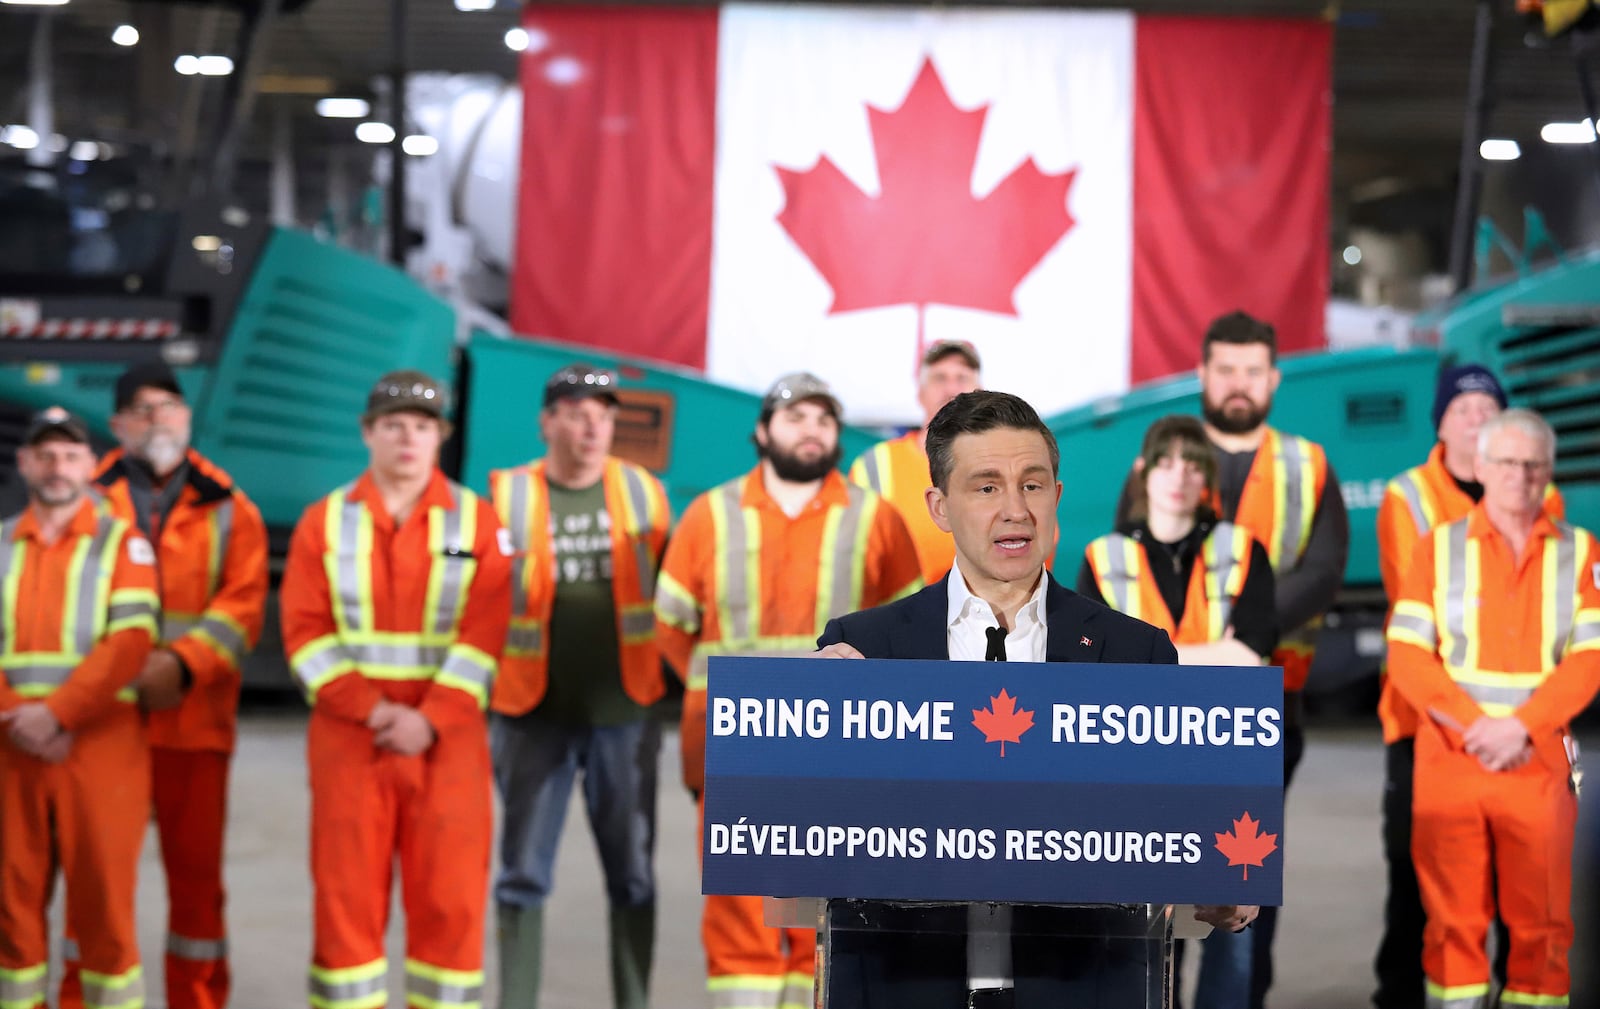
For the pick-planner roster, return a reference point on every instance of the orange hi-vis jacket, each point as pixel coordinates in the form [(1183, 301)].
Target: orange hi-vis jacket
[(1415, 502), (640, 517), (76, 617), (1278, 505), (416, 613), (1476, 631), (740, 576), (897, 471), (211, 555), (1118, 562)]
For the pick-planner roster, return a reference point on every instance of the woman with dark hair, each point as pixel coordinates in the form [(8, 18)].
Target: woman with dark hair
[(1209, 585)]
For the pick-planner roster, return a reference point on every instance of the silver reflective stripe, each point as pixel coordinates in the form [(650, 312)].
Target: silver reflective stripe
[(455, 557), (735, 545), (91, 608), (127, 611), (8, 529), (753, 997), (105, 992), (798, 992), (1511, 697), (870, 465), (395, 653), (1455, 593), (224, 634), (1411, 490), (23, 677), (1566, 589), (1586, 631), (176, 625), (1424, 629), (185, 948), (1221, 562), (639, 496), (347, 991), (841, 599), (517, 522), (637, 622), (464, 668), (26, 992), (1436, 1000), (1289, 458), (1120, 580), (526, 639), (219, 545), (349, 587), (312, 670), (440, 993)]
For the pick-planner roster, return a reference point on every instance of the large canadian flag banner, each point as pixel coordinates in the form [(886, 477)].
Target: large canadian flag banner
[(753, 189)]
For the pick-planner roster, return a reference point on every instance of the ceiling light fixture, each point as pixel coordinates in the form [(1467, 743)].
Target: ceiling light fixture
[(517, 39), (125, 35), (1568, 133), (1499, 150), (23, 138), (206, 66), (419, 145), (468, 6), (36, 3), (344, 108), (375, 133)]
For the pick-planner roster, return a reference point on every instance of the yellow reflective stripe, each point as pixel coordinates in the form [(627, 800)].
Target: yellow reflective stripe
[(637, 623), (349, 533), (113, 991), (23, 987), (738, 562), (1116, 562), (841, 559), (1560, 593), (220, 522), (223, 635), (674, 605), (72, 639), (754, 982), (525, 639), (349, 987), (773, 643), (1510, 996), (1456, 991), (133, 609), (12, 556), (451, 535), (1412, 489), (1413, 622), (468, 669), (1586, 631), (912, 587)]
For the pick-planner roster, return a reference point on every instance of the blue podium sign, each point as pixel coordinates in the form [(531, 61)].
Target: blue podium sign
[(1003, 781)]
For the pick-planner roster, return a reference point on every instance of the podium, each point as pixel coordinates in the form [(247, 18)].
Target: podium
[(992, 835)]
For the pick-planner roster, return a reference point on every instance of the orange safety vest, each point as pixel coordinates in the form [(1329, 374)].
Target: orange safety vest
[(1416, 502), (640, 517), (212, 556), (1278, 505), (897, 471), (1217, 578)]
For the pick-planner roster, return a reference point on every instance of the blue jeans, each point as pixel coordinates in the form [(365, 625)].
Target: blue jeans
[(535, 763), (1224, 981)]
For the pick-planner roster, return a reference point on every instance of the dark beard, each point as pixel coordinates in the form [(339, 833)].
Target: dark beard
[(794, 470), (1233, 424)]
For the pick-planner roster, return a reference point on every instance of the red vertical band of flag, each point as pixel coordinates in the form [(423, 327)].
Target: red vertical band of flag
[(618, 159), (1231, 182)]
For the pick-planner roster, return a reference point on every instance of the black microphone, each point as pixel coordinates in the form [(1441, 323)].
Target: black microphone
[(996, 651)]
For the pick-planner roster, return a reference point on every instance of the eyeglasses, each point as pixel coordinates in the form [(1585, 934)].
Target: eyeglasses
[(1532, 467), (150, 411)]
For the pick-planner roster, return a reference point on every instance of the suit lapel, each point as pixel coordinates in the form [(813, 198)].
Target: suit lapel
[(1071, 634), (922, 633)]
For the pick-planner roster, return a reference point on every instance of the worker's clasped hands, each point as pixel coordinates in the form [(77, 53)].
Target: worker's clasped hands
[(1229, 917), (400, 728), (33, 729), (1500, 744)]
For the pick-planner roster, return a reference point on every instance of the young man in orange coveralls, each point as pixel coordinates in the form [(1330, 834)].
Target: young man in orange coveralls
[(396, 597), (212, 550), (1495, 641), (760, 565), (77, 617)]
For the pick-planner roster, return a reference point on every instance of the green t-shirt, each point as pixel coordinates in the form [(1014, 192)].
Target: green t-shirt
[(585, 674)]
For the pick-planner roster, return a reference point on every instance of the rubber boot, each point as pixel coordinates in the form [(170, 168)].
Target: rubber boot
[(520, 937), (633, 939)]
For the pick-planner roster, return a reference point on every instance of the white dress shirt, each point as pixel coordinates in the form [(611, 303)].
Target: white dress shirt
[(968, 617)]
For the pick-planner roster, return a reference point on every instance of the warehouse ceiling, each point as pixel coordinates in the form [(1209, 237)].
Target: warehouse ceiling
[(1400, 83)]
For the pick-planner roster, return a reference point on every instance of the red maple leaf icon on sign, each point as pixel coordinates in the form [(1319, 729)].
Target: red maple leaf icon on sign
[(1245, 844), (1001, 722), (925, 238)]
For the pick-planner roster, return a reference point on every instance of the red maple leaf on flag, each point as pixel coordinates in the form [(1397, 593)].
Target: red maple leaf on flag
[(1245, 844), (925, 238), (1001, 722)]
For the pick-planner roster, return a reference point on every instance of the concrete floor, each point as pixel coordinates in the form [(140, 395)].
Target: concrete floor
[(1326, 938)]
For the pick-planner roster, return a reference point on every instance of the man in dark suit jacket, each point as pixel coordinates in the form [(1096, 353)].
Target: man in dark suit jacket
[(993, 465)]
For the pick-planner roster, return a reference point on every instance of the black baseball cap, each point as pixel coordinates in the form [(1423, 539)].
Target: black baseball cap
[(581, 381), (148, 375), (55, 420), (407, 389)]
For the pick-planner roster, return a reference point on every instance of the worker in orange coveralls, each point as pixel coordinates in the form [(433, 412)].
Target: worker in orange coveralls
[(396, 597), (211, 548), (760, 565), (1495, 641), (78, 614)]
